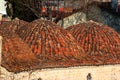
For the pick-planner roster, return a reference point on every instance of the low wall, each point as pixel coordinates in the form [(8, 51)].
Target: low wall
[(107, 72), (102, 0)]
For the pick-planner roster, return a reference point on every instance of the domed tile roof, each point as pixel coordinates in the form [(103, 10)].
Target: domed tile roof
[(14, 24), (100, 42), (51, 44), (16, 55)]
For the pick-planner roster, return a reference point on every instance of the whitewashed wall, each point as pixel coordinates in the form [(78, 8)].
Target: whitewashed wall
[(2, 7), (108, 72)]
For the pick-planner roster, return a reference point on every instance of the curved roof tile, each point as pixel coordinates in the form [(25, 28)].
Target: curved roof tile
[(100, 42)]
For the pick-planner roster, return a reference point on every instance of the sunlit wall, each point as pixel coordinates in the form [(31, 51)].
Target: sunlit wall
[(2, 7)]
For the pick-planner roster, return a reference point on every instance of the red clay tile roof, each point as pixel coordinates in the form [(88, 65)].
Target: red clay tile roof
[(51, 47), (100, 42), (16, 55), (6, 19), (49, 42), (14, 24)]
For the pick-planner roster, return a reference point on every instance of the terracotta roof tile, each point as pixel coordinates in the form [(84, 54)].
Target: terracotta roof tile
[(100, 42), (14, 24), (51, 47), (48, 40), (16, 55)]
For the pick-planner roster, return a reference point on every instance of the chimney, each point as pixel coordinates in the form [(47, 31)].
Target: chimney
[(0, 49)]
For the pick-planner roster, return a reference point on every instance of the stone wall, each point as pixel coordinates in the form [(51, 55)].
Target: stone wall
[(107, 72), (102, 16), (73, 19), (93, 13), (112, 20), (75, 4), (102, 0)]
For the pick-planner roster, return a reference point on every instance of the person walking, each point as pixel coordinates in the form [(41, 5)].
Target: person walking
[(89, 77)]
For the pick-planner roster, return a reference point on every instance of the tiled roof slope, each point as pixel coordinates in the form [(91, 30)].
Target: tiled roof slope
[(51, 44), (16, 55), (100, 42), (14, 24)]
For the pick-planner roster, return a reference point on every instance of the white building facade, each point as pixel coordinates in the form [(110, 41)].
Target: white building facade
[(106, 72)]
